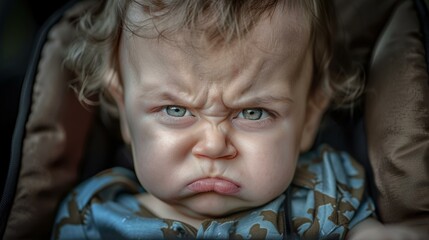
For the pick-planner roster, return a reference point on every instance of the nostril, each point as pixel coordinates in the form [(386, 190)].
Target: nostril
[(231, 152), (215, 149), (214, 143)]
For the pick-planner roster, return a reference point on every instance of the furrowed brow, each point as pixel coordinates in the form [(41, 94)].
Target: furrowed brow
[(267, 100)]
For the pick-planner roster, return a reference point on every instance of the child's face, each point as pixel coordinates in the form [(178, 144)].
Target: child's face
[(218, 131)]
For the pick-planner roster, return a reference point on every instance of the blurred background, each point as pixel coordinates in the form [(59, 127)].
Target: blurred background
[(20, 22)]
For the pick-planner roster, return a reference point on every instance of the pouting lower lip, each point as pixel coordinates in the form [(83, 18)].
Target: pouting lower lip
[(218, 185)]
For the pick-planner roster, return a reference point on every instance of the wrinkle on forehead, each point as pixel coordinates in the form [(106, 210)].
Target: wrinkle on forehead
[(287, 17), (282, 38)]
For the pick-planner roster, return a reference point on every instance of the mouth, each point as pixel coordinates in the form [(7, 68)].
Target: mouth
[(218, 185)]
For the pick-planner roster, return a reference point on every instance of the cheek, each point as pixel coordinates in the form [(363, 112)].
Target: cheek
[(270, 161), (156, 154), (281, 142), (159, 154)]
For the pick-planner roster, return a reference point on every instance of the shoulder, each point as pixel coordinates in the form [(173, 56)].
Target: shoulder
[(75, 213), (329, 193), (113, 180), (328, 163)]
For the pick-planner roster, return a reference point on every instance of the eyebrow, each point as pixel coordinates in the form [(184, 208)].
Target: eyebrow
[(250, 101), (165, 96), (266, 100)]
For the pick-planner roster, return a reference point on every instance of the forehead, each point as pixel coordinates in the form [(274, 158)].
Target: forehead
[(288, 20), (279, 40)]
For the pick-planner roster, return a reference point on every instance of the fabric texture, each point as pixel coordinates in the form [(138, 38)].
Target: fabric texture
[(328, 198), (55, 136), (397, 121)]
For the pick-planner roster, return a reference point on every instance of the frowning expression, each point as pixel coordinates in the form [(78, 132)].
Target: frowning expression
[(215, 131)]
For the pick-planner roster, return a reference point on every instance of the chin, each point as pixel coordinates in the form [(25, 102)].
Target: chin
[(213, 205)]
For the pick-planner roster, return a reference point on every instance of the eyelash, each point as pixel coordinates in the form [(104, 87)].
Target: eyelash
[(264, 114), (166, 109)]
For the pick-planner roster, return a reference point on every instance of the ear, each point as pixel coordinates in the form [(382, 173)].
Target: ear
[(317, 103), (115, 88)]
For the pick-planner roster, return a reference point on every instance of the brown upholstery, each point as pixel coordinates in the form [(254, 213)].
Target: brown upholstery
[(361, 23), (54, 142), (384, 36), (397, 120)]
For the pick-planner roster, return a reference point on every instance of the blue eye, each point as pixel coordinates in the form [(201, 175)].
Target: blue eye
[(253, 114), (177, 111)]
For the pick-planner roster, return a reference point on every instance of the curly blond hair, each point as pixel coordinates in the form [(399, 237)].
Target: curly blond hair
[(218, 21)]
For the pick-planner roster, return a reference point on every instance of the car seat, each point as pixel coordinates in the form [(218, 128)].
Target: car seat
[(57, 142)]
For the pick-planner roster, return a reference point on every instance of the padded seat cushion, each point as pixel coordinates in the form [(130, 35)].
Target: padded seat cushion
[(397, 120), (54, 142)]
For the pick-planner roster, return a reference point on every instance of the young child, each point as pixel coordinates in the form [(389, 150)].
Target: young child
[(220, 102)]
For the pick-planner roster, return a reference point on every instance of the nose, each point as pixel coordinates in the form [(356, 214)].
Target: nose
[(214, 144)]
